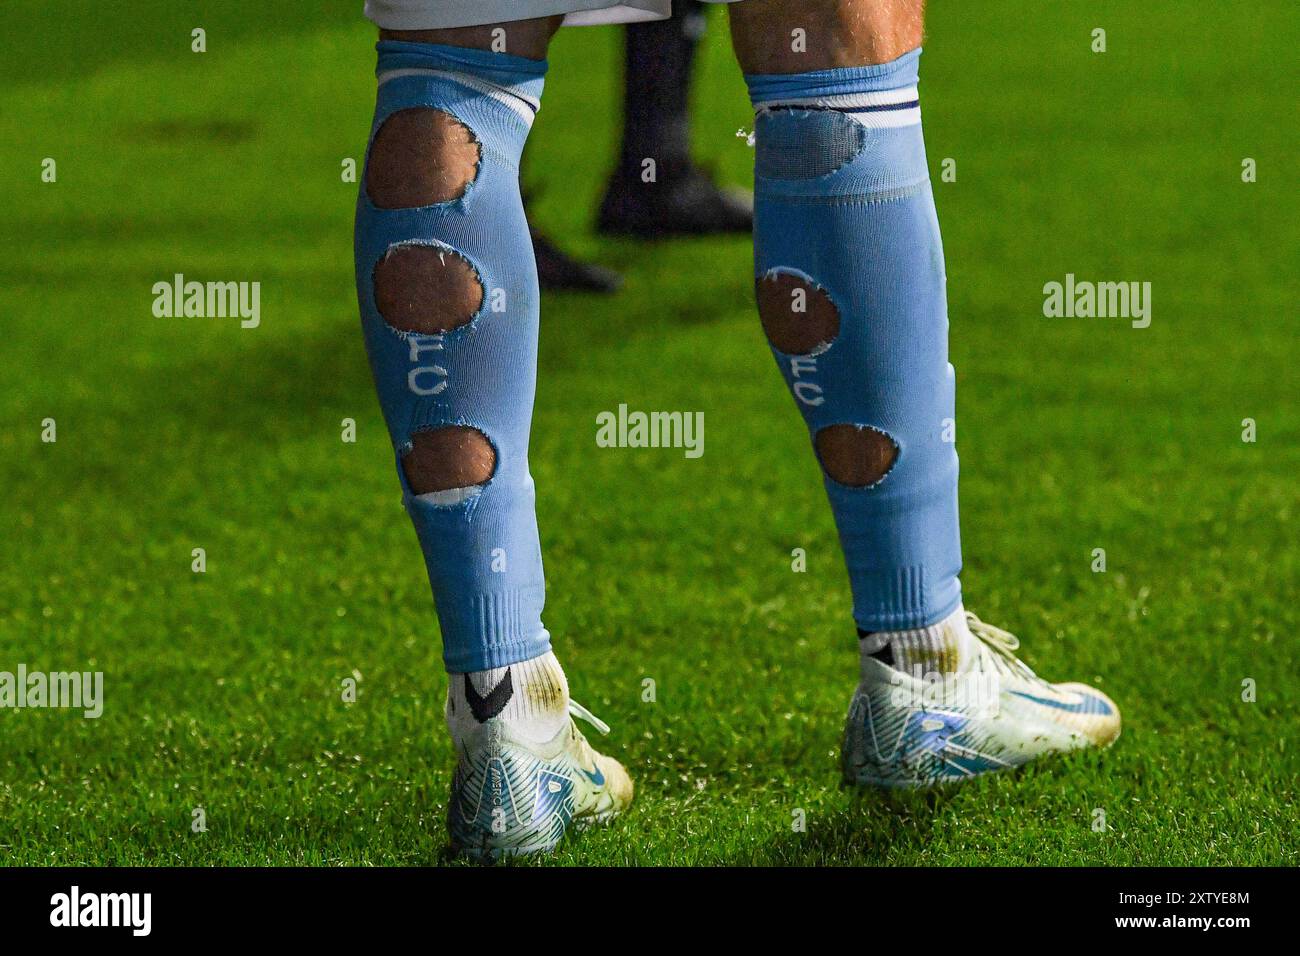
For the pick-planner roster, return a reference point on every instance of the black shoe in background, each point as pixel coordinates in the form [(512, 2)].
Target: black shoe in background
[(559, 272), (686, 203)]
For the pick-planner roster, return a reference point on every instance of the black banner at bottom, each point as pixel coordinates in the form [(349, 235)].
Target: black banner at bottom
[(335, 906)]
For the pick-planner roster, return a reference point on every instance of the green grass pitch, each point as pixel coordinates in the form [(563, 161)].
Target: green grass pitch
[(222, 689)]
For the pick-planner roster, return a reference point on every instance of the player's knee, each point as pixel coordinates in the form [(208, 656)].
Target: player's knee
[(419, 157), (855, 455), (452, 457), (840, 33), (526, 38), (426, 288), (798, 316)]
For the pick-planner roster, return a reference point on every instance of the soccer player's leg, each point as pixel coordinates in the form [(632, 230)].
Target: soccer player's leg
[(849, 278), (448, 295)]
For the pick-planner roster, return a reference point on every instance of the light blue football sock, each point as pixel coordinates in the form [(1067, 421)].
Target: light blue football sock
[(480, 544), (843, 202)]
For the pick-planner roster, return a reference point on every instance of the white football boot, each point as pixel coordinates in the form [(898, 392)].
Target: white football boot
[(524, 771), (981, 709)]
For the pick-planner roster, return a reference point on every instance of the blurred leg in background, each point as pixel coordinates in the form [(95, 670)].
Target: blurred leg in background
[(681, 199)]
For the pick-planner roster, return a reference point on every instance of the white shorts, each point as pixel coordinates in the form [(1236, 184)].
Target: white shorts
[(437, 14)]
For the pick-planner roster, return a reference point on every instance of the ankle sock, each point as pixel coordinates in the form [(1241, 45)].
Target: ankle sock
[(938, 648), (532, 696)]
